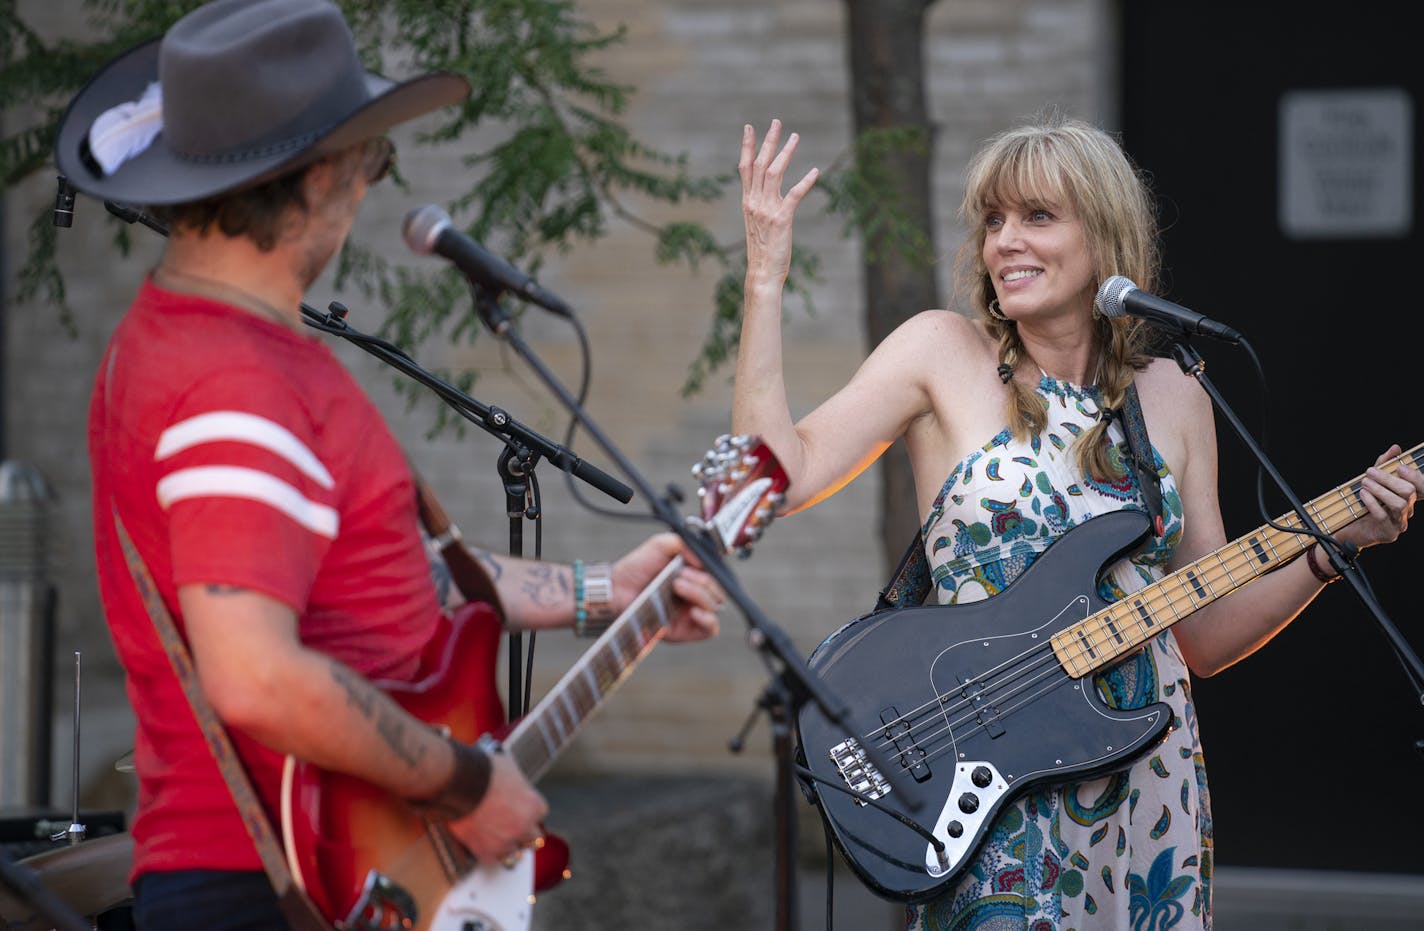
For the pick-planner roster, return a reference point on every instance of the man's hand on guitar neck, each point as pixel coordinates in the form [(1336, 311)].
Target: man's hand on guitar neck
[(698, 596), (541, 595)]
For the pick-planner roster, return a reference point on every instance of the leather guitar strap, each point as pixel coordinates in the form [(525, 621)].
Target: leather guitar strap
[(296, 907), (466, 571), (1139, 447)]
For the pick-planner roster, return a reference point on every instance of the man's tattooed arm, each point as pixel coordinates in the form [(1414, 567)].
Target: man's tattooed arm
[(535, 594), (393, 724)]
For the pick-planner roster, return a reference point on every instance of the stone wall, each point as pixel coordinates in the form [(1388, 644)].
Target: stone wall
[(702, 68)]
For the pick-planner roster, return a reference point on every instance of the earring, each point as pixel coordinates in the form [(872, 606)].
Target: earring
[(997, 313)]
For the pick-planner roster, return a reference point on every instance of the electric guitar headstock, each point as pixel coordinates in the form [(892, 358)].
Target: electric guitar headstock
[(740, 485)]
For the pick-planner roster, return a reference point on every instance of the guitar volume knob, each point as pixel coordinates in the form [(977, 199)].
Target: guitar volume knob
[(969, 803)]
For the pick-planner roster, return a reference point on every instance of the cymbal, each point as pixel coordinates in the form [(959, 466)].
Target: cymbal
[(125, 763), (90, 877)]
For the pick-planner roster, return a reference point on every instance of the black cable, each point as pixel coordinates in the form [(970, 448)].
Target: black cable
[(908, 822)]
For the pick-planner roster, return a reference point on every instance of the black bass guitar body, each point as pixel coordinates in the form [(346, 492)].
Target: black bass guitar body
[(966, 707)]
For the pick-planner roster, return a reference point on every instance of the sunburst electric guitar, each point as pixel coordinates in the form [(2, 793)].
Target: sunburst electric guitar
[(369, 862), (970, 706)]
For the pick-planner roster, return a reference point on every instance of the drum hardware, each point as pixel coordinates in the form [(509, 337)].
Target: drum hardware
[(61, 885), (75, 832)]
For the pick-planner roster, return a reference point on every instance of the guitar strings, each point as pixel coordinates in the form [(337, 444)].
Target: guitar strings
[(1157, 592), (1040, 660), (1239, 559)]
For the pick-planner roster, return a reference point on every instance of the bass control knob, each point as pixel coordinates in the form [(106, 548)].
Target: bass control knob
[(981, 776), (969, 803)]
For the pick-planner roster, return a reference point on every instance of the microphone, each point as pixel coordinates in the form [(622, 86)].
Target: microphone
[(64, 202), (429, 229), (1119, 297)]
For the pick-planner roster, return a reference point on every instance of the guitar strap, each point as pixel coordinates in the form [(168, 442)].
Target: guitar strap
[(296, 907), (466, 571), (910, 583), (1139, 448)]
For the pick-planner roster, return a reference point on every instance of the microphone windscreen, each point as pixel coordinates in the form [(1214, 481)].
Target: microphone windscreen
[(422, 228), (1112, 295)]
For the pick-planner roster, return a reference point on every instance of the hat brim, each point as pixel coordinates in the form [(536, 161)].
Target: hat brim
[(160, 176)]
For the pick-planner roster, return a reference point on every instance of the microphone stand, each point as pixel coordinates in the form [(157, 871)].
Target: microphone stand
[(1191, 364), (789, 689), (522, 449), (523, 446)]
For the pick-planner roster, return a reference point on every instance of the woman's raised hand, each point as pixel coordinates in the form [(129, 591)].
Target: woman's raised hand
[(768, 212)]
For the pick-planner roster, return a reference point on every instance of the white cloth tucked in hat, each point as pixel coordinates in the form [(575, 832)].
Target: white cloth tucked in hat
[(120, 133)]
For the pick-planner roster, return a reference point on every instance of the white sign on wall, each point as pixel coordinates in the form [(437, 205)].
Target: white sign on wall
[(1346, 163)]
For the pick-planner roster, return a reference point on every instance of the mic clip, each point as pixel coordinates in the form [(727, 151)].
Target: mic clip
[(64, 202)]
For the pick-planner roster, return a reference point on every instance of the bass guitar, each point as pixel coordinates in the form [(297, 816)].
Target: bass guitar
[(369, 862), (973, 705)]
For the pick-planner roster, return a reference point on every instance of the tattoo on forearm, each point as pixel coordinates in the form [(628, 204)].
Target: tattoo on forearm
[(493, 566), (374, 707), (547, 586)]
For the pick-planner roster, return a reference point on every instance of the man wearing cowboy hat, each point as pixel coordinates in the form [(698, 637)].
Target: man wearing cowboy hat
[(259, 485)]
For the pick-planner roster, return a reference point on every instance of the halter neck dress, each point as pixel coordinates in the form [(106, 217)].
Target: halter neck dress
[(1131, 850)]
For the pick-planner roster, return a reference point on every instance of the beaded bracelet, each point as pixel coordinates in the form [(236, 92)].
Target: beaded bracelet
[(593, 598), (1315, 569)]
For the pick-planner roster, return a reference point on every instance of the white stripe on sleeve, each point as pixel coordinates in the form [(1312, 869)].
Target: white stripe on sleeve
[(236, 426), (235, 482)]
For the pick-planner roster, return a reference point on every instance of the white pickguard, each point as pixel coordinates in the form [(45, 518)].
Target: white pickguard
[(489, 898)]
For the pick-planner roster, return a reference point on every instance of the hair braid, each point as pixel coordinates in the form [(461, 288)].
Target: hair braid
[(1122, 357), (1027, 413)]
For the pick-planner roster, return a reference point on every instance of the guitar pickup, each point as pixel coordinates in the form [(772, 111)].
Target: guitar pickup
[(987, 715), (897, 730), (857, 770)]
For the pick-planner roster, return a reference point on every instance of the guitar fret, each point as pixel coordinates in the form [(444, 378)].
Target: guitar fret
[(1260, 550), (574, 712), (1171, 600), (1197, 592), (1227, 568), (1087, 645), (1142, 612), (549, 742), (620, 660), (593, 685), (1315, 515), (661, 610)]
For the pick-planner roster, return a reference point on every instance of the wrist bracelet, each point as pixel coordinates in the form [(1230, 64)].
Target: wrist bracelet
[(1315, 569), (593, 598), (467, 786)]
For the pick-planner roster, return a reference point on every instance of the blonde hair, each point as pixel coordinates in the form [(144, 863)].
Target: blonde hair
[(1054, 160)]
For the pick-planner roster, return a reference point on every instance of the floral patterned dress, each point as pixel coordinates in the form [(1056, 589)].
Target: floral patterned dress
[(1131, 850)]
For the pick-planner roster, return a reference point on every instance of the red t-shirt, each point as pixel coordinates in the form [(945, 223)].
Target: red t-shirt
[(240, 452)]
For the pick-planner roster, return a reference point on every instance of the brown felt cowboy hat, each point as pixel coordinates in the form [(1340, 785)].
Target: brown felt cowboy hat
[(235, 93)]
